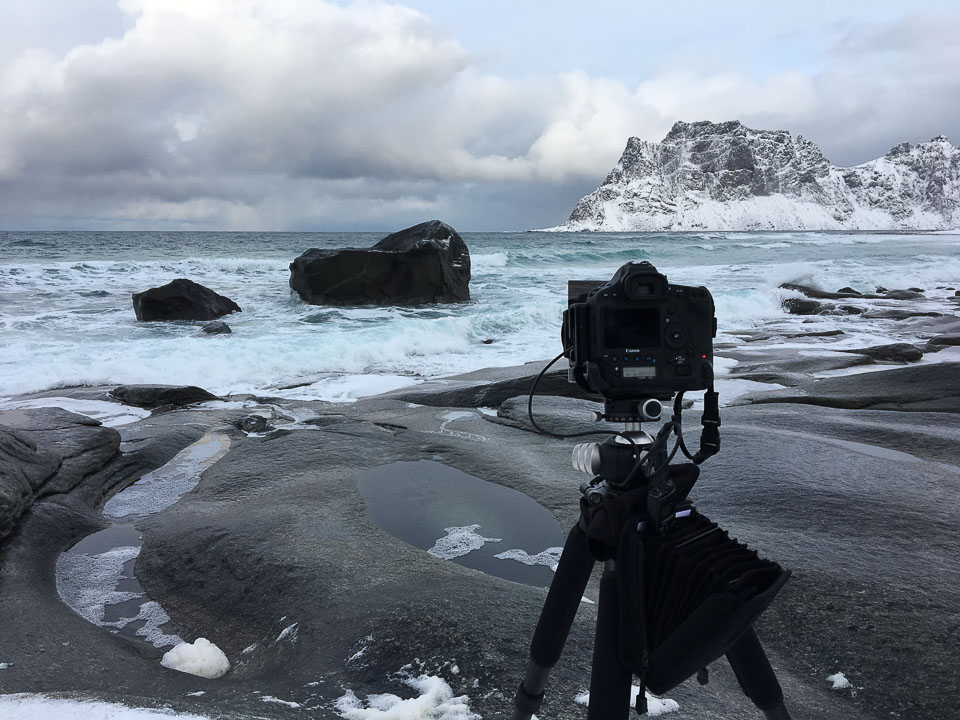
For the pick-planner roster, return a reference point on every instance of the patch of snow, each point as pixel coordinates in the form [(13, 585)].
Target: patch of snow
[(435, 701), (201, 658), (363, 649), (459, 541), (278, 701), (153, 617), (248, 649), (839, 681), (23, 706), (288, 632), (4, 666)]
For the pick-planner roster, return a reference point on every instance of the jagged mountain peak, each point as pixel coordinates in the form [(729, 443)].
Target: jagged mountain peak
[(727, 176)]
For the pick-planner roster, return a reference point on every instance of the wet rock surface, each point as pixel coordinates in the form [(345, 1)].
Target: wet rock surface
[(181, 299), (894, 352), (426, 263), (217, 327), (916, 389), (859, 503), (489, 388), (44, 452), (158, 396)]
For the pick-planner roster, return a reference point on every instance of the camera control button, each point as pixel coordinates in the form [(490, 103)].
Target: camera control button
[(683, 369), (677, 336)]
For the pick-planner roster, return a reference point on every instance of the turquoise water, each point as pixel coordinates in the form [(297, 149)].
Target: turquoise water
[(66, 315)]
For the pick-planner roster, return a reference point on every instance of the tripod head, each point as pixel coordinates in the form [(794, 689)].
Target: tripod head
[(632, 459)]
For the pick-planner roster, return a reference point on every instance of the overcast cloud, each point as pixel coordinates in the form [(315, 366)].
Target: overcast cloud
[(300, 114)]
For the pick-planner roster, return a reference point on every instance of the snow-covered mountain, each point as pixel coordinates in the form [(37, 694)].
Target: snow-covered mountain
[(725, 176)]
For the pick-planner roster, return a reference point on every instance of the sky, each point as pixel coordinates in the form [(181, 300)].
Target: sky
[(274, 115)]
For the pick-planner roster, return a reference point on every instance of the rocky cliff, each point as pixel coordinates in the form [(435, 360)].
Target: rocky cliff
[(725, 176)]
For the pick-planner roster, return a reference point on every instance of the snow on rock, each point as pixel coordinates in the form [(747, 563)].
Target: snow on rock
[(278, 701), (201, 658), (839, 681), (288, 633), (436, 701), (37, 707), (458, 542), (725, 176)]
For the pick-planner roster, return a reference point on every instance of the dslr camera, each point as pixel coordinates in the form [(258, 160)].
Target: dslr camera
[(638, 337)]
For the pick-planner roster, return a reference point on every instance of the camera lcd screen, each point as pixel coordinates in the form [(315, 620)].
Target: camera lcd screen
[(643, 372), (631, 328)]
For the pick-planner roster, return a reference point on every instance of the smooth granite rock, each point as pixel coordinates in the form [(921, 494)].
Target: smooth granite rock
[(274, 558), (918, 388)]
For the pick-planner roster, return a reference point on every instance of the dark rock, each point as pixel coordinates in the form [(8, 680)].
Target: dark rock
[(71, 447), (811, 292), (850, 309), (182, 299), (916, 290), (799, 306), (898, 314), (919, 388), (896, 352), (253, 424), (276, 536), (490, 388), (217, 327), (155, 396), (23, 470), (941, 341), (792, 362), (426, 263), (881, 289), (903, 295), (488, 341)]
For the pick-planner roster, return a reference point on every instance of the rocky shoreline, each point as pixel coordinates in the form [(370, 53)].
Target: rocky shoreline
[(850, 481)]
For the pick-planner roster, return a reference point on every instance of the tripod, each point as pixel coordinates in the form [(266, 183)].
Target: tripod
[(610, 680)]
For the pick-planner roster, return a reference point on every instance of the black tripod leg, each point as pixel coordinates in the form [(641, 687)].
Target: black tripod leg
[(610, 678), (756, 677), (556, 618)]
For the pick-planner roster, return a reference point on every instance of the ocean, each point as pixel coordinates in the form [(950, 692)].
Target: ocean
[(66, 316)]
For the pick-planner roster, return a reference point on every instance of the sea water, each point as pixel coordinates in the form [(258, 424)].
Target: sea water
[(66, 315)]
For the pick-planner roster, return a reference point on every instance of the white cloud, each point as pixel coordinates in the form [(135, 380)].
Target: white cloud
[(275, 113)]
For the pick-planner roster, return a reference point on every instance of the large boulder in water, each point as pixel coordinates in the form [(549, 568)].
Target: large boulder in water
[(182, 299), (426, 263)]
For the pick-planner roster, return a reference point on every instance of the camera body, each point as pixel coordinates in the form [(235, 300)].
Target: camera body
[(638, 336)]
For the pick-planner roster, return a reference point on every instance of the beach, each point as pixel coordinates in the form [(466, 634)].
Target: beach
[(838, 461)]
